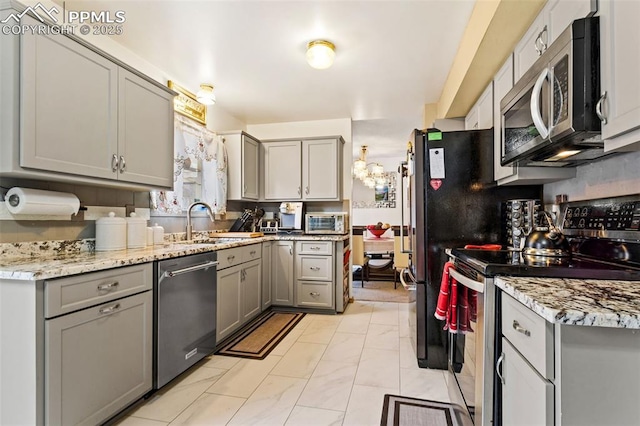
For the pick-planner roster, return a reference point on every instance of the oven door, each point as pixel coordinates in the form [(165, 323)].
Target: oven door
[(471, 352), (525, 116)]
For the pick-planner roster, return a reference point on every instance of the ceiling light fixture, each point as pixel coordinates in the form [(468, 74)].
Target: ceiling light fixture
[(205, 95), (320, 54), (370, 177)]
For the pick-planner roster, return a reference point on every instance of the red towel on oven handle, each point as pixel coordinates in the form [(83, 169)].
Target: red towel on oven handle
[(447, 307)]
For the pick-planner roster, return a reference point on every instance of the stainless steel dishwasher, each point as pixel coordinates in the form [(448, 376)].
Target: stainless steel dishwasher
[(184, 313)]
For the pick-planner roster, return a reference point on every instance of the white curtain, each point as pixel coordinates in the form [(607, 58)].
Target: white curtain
[(200, 170)]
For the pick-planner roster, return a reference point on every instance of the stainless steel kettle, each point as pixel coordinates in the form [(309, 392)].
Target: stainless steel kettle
[(546, 241)]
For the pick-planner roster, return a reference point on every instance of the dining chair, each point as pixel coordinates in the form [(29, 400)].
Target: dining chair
[(400, 259), (360, 261)]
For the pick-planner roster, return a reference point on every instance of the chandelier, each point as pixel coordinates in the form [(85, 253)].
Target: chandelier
[(371, 174)]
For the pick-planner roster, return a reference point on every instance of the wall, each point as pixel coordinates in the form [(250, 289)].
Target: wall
[(368, 216), (611, 177)]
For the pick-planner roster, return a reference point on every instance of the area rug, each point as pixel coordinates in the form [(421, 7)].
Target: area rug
[(262, 335), (381, 291), (403, 411)]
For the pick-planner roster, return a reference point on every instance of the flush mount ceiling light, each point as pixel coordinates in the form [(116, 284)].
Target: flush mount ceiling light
[(205, 95), (320, 54)]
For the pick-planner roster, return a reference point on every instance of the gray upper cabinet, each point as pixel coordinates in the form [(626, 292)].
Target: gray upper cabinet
[(69, 107), (243, 154), (72, 113), (619, 40), (308, 169), (282, 170), (145, 132), (552, 20)]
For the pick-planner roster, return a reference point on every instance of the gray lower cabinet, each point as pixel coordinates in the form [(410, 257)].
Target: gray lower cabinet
[(314, 274), (266, 274), (239, 297), (282, 277), (98, 359)]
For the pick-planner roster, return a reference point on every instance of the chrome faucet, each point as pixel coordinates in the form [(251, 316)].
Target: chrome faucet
[(189, 227)]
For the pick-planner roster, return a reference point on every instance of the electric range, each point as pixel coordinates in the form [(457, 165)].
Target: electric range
[(604, 237)]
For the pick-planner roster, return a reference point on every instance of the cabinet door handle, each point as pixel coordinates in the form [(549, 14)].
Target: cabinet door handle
[(314, 293), (298, 190), (499, 368), (123, 164), (306, 190), (114, 163), (291, 251), (517, 327), (314, 268), (108, 287), (599, 113), (111, 309)]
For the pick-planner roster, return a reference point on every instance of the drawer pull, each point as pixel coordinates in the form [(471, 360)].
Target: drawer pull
[(315, 248), (230, 258), (314, 293), (314, 268), (109, 286), (252, 252), (517, 327), (111, 309)]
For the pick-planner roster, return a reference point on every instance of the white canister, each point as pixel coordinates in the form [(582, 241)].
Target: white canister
[(149, 235), (158, 234), (111, 233), (136, 232)]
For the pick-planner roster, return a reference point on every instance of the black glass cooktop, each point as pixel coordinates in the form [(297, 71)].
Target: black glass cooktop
[(508, 262)]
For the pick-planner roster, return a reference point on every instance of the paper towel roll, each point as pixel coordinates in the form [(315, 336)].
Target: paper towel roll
[(39, 202)]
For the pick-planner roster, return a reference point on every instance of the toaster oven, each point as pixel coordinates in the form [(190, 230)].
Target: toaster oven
[(326, 223)]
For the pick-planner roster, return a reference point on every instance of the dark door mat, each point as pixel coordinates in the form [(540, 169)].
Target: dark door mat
[(259, 339), (404, 411)]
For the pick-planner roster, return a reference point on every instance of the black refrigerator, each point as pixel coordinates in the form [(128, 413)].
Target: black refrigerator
[(454, 201)]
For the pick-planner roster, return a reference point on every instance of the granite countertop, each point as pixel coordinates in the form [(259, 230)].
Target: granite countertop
[(599, 303), (50, 259)]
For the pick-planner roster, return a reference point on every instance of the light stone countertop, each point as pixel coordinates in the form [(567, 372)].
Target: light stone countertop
[(50, 259), (586, 302)]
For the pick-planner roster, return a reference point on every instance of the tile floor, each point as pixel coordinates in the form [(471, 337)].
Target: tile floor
[(329, 370)]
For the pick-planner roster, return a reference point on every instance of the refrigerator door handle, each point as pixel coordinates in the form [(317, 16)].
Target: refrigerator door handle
[(408, 287), (403, 170)]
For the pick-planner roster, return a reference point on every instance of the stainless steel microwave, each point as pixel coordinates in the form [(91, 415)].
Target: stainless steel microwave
[(549, 118), (326, 223)]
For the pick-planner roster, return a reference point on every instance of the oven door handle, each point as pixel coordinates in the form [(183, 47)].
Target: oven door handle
[(467, 282)]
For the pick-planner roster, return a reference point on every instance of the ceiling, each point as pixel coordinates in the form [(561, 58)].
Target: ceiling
[(392, 57)]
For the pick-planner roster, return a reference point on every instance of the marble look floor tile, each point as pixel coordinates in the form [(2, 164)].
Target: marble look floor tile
[(379, 367), (383, 336), (365, 405), (168, 402), (209, 409), (385, 313), (408, 354), (404, 320), (357, 323), (305, 321), (241, 380), (318, 332), (329, 386), (300, 360), (287, 342), (424, 384), (138, 421), (224, 362), (306, 416), (271, 403), (344, 347)]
